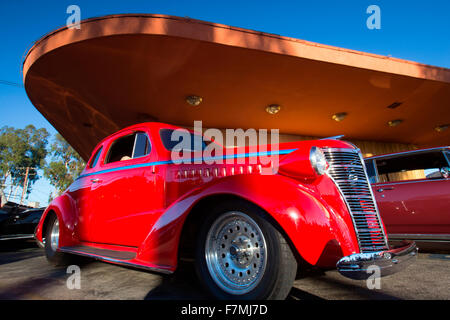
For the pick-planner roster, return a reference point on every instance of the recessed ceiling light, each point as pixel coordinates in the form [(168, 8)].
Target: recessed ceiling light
[(394, 123), (394, 105), (273, 109), (442, 128), (339, 116), (194, 100)]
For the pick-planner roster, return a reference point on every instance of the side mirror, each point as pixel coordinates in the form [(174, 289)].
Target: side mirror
[(445, 172)]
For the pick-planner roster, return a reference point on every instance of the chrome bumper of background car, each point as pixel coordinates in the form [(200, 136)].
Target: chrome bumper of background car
[(356, 266)]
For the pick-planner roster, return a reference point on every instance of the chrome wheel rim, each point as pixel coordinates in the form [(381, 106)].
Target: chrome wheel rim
[(54, 236), (236, 253)]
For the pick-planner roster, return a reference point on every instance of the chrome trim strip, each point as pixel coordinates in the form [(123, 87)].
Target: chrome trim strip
[(17, 237), (342, 149), (394, 155), (116, 261), (417, 236), (134, 145), (382, 184)]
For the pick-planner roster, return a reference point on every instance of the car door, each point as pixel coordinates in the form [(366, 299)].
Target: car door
[(412, 196), (25, 222), (127, 194), (80, 191), (8, 222)]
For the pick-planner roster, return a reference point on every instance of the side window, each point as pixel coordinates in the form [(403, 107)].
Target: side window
[(141, 145), (411, 167), (121, 149), (95, 158), (131, 146)]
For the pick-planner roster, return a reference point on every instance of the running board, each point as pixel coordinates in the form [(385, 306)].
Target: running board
[(105, 253), (124, 258)]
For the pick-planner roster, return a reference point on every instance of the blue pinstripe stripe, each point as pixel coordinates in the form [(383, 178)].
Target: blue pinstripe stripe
[(157, 163)]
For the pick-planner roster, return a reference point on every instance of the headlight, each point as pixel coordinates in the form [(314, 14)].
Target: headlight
[(318, 160)]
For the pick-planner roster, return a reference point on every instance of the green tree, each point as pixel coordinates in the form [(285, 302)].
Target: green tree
[(65, 165), (19, 149)]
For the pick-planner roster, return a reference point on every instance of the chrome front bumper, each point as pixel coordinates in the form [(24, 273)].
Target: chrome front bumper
[(356, 266)]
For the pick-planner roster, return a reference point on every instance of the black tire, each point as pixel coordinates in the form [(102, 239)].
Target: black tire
[(273, 281), (53, 256)]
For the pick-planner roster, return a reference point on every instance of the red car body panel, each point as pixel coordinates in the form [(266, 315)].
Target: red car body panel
[(140, 205), (417, 209)]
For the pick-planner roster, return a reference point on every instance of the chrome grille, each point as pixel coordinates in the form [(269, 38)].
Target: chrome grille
[(348, 173)]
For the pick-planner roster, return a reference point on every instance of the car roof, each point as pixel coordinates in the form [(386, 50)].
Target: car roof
[(156, 125), (405, 153)]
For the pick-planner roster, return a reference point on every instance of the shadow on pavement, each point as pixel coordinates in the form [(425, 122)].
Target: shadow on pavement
[(16, 245), (16, 250), (355, 291), (298, 294), (182, 285), (30, 288)]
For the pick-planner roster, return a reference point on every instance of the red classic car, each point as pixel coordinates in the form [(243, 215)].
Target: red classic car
[(247, 232), (412, 190)]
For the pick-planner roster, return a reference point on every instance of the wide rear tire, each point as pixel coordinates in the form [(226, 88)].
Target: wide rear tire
[(240, 255)]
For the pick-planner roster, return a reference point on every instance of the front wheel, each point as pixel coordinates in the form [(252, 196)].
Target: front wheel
[(241, 255)]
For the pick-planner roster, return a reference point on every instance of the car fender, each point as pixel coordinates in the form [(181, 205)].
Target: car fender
[(319, 234), (63, 207)]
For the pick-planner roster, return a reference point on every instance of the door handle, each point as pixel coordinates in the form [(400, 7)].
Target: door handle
[(385, 188), (96, 180)]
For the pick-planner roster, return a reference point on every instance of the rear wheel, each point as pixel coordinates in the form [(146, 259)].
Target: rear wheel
[(52, 244), (241, 255)]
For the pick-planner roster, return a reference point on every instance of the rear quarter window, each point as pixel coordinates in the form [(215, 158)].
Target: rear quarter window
[(170, 141)]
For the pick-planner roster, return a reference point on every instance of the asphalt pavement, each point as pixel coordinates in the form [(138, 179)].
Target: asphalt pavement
[(25, 274)]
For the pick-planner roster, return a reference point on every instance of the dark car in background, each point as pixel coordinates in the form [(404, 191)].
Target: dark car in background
[(18, 222), (412, 191)]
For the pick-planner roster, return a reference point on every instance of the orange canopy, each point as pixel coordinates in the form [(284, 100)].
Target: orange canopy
[(124, 69)]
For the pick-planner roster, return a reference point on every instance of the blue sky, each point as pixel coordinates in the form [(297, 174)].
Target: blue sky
[(412, 30)]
